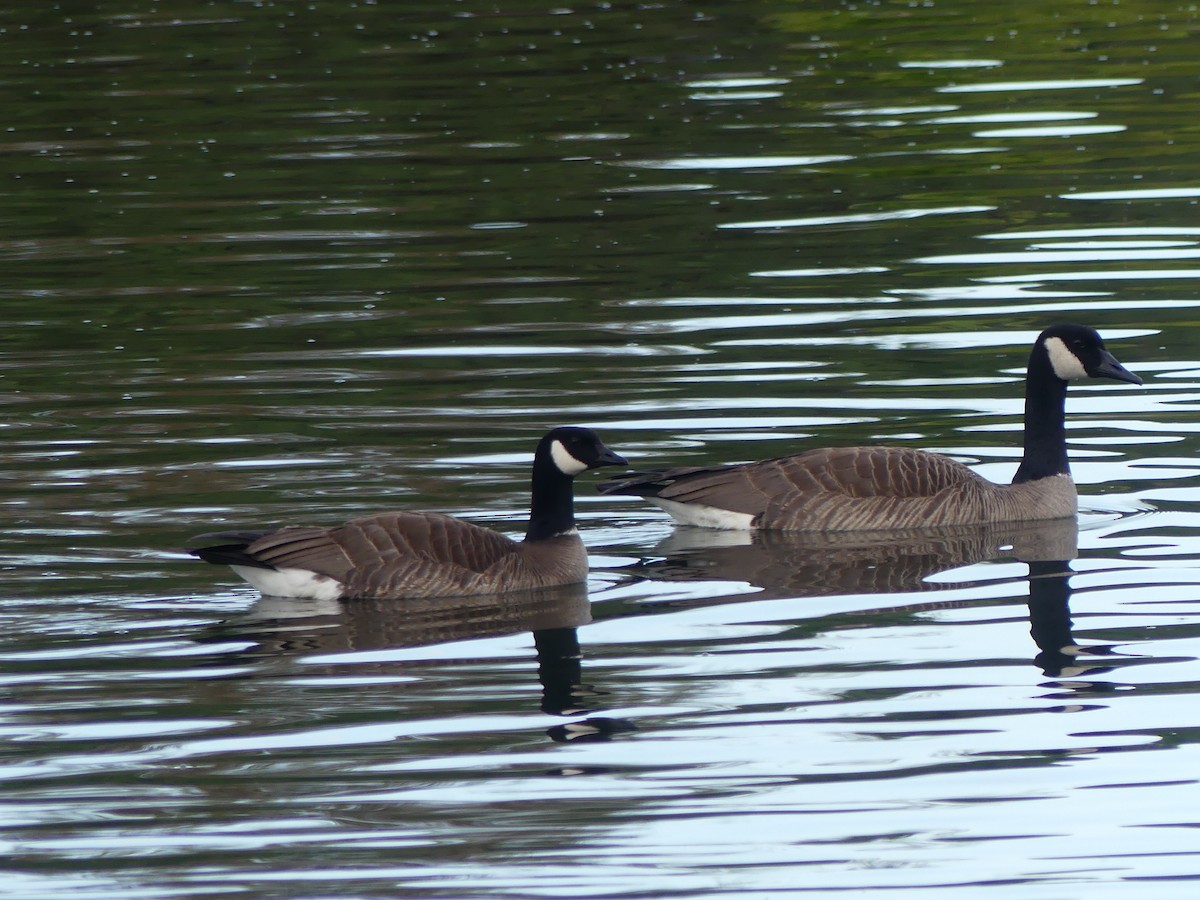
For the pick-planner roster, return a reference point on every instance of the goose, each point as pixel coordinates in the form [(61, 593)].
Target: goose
[(888, 488), (396, 555)]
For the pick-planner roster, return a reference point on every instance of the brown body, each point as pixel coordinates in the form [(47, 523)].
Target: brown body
[(422, 554), (862, 488)]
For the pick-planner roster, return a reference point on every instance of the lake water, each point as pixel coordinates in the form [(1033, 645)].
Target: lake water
[(297, 262)]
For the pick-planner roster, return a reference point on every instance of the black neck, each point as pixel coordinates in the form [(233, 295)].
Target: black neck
[(1050, 615), (1045, 428), (553, 501), (560, 670)]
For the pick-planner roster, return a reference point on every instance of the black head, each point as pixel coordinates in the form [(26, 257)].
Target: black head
[(572, 450), (1077, 351)]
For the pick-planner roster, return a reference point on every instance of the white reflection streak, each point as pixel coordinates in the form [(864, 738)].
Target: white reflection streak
[(1106, 275), (1043, 256), (734, 162), (1050, 131), (952, 64), (736, 82), (1098, 232), (1136, 194), (883, 216), (817, 273), (1109, 245), (995, 118), (735, 95), (1057, 85)]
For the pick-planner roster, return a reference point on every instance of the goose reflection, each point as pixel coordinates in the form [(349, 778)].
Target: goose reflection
[(280, 626), (782, 564), (1050, 624), (284, 625), (792, 564)]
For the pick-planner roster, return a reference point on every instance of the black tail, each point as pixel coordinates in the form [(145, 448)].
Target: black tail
[(638, 484), (227, 548)]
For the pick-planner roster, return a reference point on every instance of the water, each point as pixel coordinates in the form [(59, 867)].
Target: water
[(270, 263)]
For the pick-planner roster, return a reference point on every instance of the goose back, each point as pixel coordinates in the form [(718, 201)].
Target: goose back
[(850, 489), (849, 471)]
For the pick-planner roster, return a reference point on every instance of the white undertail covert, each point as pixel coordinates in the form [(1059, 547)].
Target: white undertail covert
[(705, 516), (298, 583)]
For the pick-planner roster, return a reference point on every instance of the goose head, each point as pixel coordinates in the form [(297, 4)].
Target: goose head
[(1077, 351), (572, 450)]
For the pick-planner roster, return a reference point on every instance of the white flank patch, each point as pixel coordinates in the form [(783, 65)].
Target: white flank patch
[(567, 464), (1066, 364), (704, 516), (299, 583)]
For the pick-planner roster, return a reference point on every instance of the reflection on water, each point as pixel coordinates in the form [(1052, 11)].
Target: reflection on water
[(347, 631), (812, 564), (283, 625), (779, 565), (1050, 624), (302, 264)]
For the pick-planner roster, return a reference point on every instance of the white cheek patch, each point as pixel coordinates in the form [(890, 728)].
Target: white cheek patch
[(566, 463), (1066, 364)]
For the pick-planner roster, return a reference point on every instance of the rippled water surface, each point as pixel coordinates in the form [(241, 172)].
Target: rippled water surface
[(297, 262)]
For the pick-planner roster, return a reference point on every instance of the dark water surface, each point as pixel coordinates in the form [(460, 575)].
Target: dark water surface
[(296, 262)]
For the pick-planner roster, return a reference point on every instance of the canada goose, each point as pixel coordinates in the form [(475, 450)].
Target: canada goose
[(876, 488), (424, 554)]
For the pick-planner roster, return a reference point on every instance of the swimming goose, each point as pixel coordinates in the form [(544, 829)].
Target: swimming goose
[(424, 554), (878, 488)]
